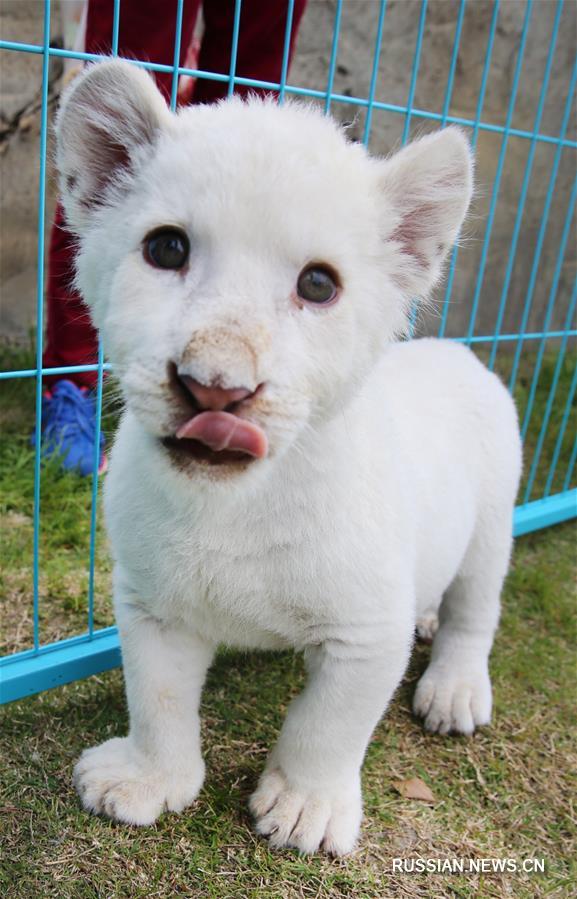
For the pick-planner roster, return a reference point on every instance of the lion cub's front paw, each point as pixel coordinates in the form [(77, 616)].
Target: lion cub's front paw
[(115, 779), (451, 699), (307, 819)]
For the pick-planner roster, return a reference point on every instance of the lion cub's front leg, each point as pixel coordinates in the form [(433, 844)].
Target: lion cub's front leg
[(158, 766), (310, 792)]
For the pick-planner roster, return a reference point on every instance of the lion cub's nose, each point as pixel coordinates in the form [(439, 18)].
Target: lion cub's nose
[(213, 398)]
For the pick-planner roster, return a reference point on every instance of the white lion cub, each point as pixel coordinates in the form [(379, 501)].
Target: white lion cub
[(285, 474)]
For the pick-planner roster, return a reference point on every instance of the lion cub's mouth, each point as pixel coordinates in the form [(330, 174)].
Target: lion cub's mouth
[(218, 438), (215, 436), (185, 449)]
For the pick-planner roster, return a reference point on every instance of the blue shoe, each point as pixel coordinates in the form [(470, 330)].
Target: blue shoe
[(69, 428)]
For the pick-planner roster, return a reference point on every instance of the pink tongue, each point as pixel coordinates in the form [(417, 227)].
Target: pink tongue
[(222, 430)]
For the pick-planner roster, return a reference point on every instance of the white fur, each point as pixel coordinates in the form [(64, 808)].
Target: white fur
[(389, 485)]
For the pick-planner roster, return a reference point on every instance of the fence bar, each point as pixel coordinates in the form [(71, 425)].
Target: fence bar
[(299, 92), (334, 54), (446, 107), (234, 46), (26, 673), (480, 338), (98, 404), (375, 72), (94, 499), (286, 50), (40, 323), (525, 185), (550, 306), (61, 370), (414, 72), (476, 126), (561, 435), (537, 335), (542, 230), (570, 467), (550, 399), (499, 170), (407, 125), (176, 57), (542, 513), (453, 66), (115, 27)]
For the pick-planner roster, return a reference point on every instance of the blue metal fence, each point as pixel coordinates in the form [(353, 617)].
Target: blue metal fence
[(47, 665)]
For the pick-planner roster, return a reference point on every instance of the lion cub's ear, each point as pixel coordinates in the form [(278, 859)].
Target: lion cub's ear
[(427, 188), (109, 121)]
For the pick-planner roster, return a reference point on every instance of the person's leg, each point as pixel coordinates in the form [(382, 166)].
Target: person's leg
[(68, 406), (260, 45), (147, 31), (70, 337)]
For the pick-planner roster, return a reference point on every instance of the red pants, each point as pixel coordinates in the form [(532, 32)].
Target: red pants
[(147, 31)]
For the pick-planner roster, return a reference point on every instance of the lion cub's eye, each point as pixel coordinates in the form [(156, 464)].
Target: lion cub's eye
[(166, 248), (317, 284)]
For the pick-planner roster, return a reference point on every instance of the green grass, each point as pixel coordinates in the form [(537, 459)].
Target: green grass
[(65, 502), (507, 792)]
